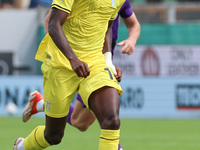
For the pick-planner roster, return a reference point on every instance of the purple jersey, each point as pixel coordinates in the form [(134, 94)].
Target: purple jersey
[(125, 12)]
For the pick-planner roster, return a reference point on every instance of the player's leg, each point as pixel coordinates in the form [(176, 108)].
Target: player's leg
[(105, 102), (120, 147), (43, 136), (54, 129), (78, 116), (57, 103), (81, 117), (100, 92), (36, 104), (58, 97)]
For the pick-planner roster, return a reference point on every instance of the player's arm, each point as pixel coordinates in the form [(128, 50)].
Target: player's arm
[(134, 30), (107, 48), (46, 21), (108, 38), (56, 20), (108, 54)]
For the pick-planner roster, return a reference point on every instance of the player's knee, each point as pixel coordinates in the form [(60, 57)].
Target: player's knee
[(112, 123), (83, 129), (54, 138), (82, 126)]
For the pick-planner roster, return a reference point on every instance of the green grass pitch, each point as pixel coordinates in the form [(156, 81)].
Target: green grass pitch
[(136, 134)]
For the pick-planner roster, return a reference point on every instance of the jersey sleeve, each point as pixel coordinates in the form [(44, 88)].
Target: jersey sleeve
[(126, 10), (64, 5), (114, 15)]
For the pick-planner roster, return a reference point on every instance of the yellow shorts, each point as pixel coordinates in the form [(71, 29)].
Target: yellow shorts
[(60, 86)]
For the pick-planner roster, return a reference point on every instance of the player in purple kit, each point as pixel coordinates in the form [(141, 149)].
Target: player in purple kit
[(133, 26), (79, 116)]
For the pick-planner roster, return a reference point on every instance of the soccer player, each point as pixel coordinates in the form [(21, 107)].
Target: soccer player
[(132, 25), (81, 117), (73, 61)]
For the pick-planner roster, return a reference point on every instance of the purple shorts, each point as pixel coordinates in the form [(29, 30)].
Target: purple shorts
[(78, 97)]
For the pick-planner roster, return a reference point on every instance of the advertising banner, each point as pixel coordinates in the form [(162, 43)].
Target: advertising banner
[(160, 60), (143, 97), (16, 89), (153, 97)]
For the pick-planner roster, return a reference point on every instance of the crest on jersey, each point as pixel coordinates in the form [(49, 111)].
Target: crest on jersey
[(48, 104), (113, 3)]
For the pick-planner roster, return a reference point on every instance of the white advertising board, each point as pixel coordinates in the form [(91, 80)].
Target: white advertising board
[(160, 60), (16, 89), (150, 97), (169, 97)]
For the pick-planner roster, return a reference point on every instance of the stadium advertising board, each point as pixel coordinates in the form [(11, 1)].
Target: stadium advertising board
[(16, 89), (188, 96), (150, 97), (166, 97), (160, 60)]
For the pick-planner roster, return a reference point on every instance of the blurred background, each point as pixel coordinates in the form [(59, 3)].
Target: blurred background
[(161, 79)]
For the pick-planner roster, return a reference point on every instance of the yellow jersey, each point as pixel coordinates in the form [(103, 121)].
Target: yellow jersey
[(85, 29)]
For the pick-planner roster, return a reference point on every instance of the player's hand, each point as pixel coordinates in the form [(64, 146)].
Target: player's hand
[(128, 47), (118, 76), (80, 68)]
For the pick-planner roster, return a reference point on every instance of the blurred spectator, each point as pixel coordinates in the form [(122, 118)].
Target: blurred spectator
[(21, 3), (6, 4), (18, 4)]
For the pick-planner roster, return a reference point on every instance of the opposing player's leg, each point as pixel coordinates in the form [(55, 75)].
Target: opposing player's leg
[(81, 117), (120, 147)]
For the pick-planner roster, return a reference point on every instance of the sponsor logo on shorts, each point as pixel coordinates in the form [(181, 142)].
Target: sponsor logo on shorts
[(48, 104)]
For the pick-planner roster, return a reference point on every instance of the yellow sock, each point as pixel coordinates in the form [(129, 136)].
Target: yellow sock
[(109, 139), (36, 139)]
